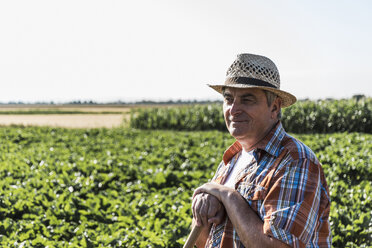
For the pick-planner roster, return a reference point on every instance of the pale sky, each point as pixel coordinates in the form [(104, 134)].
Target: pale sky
[(169, 49)]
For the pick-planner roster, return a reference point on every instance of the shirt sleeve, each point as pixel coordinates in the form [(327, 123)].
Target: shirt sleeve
[(292, 203)]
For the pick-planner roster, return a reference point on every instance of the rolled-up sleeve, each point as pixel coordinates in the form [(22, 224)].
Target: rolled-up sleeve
[(293, 207)]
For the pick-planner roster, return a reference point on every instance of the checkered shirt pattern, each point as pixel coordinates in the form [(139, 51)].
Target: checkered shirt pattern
[(285, 185)]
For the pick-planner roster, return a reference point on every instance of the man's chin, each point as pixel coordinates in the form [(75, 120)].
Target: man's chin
[(237, 133)]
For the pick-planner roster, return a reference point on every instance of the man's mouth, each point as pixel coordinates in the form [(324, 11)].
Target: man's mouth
[(238, 120)]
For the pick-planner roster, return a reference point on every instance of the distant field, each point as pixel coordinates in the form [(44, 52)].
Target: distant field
[(65, 120), (70, 116), (65, 109)]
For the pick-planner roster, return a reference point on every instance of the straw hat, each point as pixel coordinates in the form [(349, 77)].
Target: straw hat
[(255, 71)]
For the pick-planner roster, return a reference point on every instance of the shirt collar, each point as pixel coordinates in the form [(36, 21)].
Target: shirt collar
[(270, 143)]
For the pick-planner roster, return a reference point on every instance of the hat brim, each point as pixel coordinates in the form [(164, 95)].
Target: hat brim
[(287, 98)]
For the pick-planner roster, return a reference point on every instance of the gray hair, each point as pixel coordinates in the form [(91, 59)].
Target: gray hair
[(270, 97)]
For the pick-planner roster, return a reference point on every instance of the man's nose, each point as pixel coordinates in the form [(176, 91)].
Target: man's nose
[(235, 108)]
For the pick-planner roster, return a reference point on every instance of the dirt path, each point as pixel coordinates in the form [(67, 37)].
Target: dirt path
[(70, 121)]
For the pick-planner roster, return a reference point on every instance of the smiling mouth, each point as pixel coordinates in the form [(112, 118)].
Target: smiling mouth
[(238, 123), (238, 120)]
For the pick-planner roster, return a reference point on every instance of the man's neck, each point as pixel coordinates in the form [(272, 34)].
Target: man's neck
[(250, 144)]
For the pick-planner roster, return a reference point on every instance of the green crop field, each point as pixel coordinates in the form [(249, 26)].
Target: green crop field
[(323, 116), (132, 188)]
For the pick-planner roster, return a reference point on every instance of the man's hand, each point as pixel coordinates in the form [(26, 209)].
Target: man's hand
[(207, 209), (245, 221)]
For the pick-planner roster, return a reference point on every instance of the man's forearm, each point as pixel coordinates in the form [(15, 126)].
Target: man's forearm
[(246, 222)]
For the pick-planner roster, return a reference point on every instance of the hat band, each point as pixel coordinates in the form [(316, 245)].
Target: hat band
[(248, 81)]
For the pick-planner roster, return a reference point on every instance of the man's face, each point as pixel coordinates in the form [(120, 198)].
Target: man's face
[(247, 115)]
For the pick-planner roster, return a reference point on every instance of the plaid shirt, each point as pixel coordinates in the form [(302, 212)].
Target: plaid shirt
[(285, 186)]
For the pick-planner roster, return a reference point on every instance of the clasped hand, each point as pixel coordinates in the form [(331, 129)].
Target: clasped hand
[(206, 205)]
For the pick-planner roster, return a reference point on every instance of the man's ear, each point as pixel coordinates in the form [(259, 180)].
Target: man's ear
[(276, 106)]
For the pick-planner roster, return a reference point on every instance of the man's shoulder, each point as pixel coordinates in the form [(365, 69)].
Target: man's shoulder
[(299, 158), (297, 150)]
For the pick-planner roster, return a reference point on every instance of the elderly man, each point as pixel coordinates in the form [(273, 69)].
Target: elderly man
[(269, 190)]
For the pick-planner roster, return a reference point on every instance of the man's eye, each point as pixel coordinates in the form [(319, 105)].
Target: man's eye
[(228, 99)]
